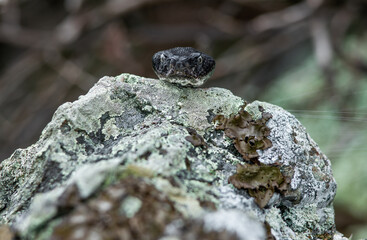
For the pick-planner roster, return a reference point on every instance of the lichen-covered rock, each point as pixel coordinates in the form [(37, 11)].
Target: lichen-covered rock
[(138, 158)]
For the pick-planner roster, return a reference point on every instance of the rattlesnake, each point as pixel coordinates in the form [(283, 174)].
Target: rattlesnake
[(183, 66)]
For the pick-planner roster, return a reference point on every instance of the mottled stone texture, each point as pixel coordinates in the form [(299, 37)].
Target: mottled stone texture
[(139, 158)]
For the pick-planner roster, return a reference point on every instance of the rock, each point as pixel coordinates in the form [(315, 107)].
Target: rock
[(139, 158)]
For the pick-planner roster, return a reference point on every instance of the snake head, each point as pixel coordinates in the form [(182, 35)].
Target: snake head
[(185, 66)]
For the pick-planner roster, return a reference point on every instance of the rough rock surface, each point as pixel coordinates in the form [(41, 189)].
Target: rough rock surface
[(139, 158)]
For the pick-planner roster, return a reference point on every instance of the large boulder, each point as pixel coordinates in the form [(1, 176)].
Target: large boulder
[(138, 158)]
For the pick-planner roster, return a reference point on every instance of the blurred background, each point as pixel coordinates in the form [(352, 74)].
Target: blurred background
[(309, 57)]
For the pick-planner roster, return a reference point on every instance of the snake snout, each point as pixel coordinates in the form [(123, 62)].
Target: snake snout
[(175, 67), (180, 65)]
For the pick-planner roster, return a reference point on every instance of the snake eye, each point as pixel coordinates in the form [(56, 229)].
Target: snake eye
[(200, 59), (163, 57)]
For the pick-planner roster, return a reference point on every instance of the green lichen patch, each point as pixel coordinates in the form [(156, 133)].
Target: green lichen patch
[(195, 138), (310, 220), (261, 181), (137, 171), (108, 215), (128, 171), (249, 135)]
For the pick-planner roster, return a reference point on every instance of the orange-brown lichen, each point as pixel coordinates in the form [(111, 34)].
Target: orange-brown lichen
[(325, 236), (103, 216), (269, 235), (195, 138), (261, 181), (6, 233), (248, 134), (110, 215)]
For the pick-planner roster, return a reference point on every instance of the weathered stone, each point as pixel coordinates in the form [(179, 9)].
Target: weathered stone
[(131, 132)]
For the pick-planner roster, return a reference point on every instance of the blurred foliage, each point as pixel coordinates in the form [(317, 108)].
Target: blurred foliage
[(309, 57), (341, 134)]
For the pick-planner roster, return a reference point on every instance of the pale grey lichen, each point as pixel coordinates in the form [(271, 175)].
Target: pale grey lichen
[(130, 206), (236, 221)]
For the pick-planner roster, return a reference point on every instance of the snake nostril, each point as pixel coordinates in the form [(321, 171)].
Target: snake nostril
[(179, 65)]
